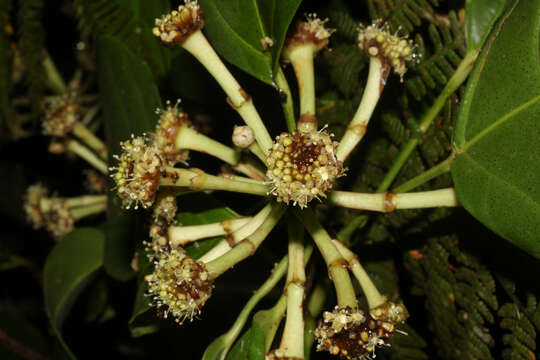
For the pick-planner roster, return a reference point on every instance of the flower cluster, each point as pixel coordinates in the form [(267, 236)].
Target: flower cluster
[(376, 40), (353, 334), (169, 125), (179, 285), (138, 172), (51, 213), (61, 115), (303, 166), (310, 31), (178, 25)]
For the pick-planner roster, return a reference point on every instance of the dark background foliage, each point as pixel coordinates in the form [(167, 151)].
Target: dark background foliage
[(472, 295)]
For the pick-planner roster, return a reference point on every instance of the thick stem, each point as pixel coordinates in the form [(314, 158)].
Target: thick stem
[(182, 235), (292, 340), (199, 47), (452, 85), (424, 177), (287, 105), (230, 336), (189, 138), (84, 211), (358, 125), (388, 201), (301, 57), (85, 200), (88, 137), (247, 246), (373, 296), (337, 266), (196, 179), (237, 235), (86, 154), (54, 79)]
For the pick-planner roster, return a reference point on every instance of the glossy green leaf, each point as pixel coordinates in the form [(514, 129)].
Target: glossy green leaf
[(496, 170), (68, 268), (140, 323), (236, 27), (250, 346), (270, 319), (481, 15), (129, 98)]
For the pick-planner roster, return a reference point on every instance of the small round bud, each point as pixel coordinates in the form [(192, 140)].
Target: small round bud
[(138, 172), (61, 115), (311, 31), (302, 166), (392, 50), (57, 147), (175, 27), (351, 333), (243, 136), (179, 285), (170, 123)]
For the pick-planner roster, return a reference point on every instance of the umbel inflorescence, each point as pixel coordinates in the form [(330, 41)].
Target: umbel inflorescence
[(299, 166)]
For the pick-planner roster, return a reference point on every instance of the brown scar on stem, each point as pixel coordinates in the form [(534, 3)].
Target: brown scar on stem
[(253, 247), (230, 240), (198, 181), (388, 204), (307, 118), (358, 129), (244, 95), (171, 175)]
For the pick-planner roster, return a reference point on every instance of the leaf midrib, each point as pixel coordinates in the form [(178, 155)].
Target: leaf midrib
[(499, 122)]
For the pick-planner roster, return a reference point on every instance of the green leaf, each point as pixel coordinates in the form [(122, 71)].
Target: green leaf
[(20, 329), (68, 268), (236, 27), (270, 319), (129, 98), (496, 171), (250, 346), (139, 323), (130, 21), (481, 15)]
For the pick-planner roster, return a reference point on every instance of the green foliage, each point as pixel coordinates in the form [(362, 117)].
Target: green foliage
[(129, 21), (129, 98), (32, 47), (405, 15), (439, 60), (67, 270), (460, 297), (503, 119), (238, 26), (250, 346)]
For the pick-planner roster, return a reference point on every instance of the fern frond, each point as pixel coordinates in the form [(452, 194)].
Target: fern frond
[(439, 62), (402, 14), (521, 341), (460, 299), (345, 62), (32, 45), (346, 27), (5, 65)]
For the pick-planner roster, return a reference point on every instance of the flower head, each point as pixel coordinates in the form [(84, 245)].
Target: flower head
[(60, 117), (51, 213), (32, 204), (174, 28), (351, 333), (138, 172), (302, 166), (169, 124), (179, 285), (310, 31), (395, 51)]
